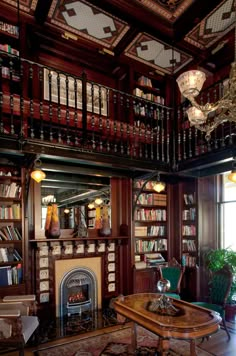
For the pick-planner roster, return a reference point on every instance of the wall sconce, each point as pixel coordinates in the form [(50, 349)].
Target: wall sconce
[(232, 175), (159, 186), (37, 174), (66, 210)]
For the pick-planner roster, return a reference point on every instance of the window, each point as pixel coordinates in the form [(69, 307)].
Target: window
[(227, 209)]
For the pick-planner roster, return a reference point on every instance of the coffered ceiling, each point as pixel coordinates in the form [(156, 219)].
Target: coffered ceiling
[(164, 35)]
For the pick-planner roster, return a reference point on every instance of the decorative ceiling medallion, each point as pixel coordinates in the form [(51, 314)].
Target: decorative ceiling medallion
[(219, 22), (87, 21), (25, 5), (157, 54), (169, 9)]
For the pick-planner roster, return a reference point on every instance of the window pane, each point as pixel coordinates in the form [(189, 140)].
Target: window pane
[(229, 225), (228, 214), (229, 189)]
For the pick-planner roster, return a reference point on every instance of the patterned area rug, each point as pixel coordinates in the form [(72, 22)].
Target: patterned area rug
[(118, 343)]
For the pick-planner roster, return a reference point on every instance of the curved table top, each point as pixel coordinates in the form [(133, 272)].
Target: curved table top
[(190, 322)]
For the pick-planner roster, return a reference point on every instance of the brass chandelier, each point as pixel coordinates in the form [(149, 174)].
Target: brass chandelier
[(190, 84)]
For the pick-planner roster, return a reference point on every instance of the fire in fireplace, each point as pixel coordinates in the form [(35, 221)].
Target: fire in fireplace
[(78, 291)]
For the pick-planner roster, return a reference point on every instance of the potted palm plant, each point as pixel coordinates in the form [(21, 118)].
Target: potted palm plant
[(216, 260)]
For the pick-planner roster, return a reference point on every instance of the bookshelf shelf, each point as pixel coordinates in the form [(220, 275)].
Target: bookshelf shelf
[(9, 220), (9, 44), (11, 229), (150, 235), (189, 237)]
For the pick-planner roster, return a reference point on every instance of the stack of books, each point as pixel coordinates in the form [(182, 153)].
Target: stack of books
[(154, 259)]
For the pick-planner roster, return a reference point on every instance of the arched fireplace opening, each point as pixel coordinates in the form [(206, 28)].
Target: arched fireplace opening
[(78, 291)]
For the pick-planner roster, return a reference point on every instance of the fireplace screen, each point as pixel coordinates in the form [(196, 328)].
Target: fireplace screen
[(78, 292)]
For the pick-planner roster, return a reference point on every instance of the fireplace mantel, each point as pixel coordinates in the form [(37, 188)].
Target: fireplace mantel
[(81, 239), (112, 250)]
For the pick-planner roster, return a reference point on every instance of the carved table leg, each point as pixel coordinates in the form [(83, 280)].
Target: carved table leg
[(133, 337), (192, 348), (164, 346)]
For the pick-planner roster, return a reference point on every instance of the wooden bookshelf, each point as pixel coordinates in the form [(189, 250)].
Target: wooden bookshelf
[(188, 206), (11, 229)]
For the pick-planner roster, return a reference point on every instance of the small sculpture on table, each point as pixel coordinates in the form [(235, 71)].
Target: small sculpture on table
[(163, 304)]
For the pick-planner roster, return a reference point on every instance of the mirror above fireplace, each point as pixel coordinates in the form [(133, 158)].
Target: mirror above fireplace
[(71, 187)]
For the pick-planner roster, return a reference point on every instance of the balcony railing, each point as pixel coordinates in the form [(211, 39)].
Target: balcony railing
[(42, 105)]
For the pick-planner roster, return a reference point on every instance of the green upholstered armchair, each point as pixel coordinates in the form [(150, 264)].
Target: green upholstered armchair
[(174, 273), (220, 286)]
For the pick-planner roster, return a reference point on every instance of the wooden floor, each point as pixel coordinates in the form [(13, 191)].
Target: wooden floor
[(217, 345)]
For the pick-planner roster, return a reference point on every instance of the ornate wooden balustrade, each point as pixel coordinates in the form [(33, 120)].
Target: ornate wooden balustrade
[(43, 107)]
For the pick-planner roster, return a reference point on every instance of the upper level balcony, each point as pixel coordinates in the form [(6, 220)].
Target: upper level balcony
[(43, 110)]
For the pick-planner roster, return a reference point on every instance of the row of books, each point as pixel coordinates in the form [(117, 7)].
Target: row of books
[(149, 96), (5, 173), (151, 199), (8, 28), (189, 261), (189, 214), (189, 199), (150, 246), (10, 190), (8, 48), (145, 81), (150, 214), (189, 245), (9, 232), (189, 230), (6, 74), (10, 275), (9, 254), (153, 230), (10, 212), (139, 184)]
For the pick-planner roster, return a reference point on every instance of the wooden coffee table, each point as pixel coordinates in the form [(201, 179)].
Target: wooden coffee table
[(190, 323)]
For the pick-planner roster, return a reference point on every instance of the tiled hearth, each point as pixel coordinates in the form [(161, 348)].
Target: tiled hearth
[(56, 328)]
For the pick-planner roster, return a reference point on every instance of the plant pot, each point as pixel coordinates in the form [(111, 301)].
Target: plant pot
[(230, 313)]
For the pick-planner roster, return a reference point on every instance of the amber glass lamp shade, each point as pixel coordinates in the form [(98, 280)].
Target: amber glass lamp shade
[(159, 187), (38, 175), (232, 176)]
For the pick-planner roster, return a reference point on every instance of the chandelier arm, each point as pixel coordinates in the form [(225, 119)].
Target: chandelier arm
[(190, 84), (208, 107)]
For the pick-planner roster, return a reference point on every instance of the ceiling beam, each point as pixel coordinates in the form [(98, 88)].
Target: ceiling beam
[(69, 186), (96, 171), (41, 11), (72, 179)]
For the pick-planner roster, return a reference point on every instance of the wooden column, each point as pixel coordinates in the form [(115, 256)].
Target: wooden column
[(207, 229)]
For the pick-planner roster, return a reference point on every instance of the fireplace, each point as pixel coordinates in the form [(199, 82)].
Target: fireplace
[(78, 292), (78, 285)]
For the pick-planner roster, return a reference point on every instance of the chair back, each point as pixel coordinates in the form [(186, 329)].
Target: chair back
[(174, 273), (220, 286)]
